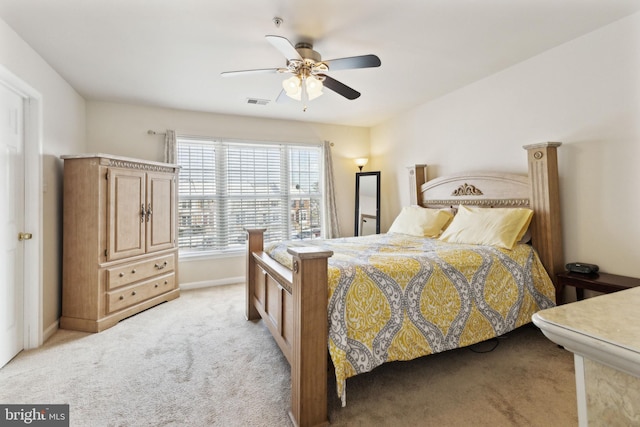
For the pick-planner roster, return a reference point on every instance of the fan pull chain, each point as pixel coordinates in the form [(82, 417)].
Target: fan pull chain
[(305, 96)]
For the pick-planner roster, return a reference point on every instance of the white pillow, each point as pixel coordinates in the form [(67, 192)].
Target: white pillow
[(419, 221), (501, 227)]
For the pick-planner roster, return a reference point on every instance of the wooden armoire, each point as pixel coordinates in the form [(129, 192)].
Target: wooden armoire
[(120, 253)]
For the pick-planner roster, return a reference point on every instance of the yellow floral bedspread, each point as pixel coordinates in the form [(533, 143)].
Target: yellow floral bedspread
[(399, 297)]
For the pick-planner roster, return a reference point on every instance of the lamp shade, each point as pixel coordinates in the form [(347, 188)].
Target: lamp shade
[(292, 87), (360, 162), (314, 87)]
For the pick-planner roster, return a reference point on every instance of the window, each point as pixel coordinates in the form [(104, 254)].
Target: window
[(226, 186)]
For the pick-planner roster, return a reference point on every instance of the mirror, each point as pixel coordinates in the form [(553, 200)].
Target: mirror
[(367, 203)]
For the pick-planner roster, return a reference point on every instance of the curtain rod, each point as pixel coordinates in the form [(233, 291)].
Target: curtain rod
[(153, 132)]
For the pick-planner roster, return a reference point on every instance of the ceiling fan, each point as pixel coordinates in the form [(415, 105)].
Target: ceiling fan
[(308, 70)]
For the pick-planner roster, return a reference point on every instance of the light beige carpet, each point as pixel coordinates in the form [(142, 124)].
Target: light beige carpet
[(195, 361)]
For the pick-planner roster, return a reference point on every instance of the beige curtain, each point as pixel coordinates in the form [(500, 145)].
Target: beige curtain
[(331, 224), (170, 148)]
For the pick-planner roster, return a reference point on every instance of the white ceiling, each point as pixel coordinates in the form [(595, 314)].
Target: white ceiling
[(170, 53)]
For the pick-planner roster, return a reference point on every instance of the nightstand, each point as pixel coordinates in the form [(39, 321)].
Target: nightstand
[(600, 282)]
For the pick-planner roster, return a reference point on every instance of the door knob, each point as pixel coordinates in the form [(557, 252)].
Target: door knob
[(24, 236)]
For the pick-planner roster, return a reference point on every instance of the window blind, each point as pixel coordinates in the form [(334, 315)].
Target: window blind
[(227, 186)]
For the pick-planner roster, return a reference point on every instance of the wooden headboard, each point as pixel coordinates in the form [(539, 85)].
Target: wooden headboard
[(538, 190)]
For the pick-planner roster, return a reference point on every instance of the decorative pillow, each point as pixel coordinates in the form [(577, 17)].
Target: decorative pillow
[(419, 221), (501, 227)]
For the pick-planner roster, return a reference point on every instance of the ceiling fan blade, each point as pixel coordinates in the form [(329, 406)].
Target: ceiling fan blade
[(339, 88), (364, 61), (258, 71), (284, 46)]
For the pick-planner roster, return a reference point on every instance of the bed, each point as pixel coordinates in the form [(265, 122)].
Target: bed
[(396, 296)]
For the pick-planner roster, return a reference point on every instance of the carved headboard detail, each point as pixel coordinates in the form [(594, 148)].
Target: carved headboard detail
[(467, 190), (487, 189)]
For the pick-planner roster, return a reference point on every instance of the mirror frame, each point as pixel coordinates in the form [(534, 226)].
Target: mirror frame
[(356, 228)]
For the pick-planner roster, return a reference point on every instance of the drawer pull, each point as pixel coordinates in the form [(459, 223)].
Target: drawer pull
[(133, 271), (155, 286), (121, 297), (121, 275), (166, 282), (160, 266), (133, 293)]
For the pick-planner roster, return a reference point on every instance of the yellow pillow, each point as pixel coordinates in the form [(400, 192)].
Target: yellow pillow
[(501, 227), (419, 221)]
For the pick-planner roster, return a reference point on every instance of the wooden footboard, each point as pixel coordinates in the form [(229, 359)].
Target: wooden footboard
[(296, 315)]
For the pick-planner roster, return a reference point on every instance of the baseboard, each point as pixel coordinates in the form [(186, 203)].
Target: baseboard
[(209, 283), (52, 329)]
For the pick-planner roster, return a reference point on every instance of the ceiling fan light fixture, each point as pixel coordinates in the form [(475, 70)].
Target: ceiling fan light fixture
[(314, 87), (292, 87), (308, 70)]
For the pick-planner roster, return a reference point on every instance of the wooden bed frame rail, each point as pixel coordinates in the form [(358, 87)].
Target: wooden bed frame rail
[(293, 303)]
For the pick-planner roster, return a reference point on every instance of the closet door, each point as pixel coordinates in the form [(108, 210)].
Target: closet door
[(161, 211), (127, 215)]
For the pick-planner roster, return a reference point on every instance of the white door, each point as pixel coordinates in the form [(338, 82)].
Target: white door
[(11, 223)]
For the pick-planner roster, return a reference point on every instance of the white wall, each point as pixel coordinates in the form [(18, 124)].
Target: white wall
[(121, 129), (63, 131), (585, 94)]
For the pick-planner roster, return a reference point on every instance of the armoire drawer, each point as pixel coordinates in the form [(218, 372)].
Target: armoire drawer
[(136, 271), (125, 297)]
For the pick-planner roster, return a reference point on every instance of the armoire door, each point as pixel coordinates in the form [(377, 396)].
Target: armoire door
[(127, 219), (161, 211)]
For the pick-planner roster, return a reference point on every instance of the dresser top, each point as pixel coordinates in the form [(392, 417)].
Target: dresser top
[(613, 318), (115, 158)]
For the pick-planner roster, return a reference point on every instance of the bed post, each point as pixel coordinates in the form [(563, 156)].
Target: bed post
[(546, 230), (255, 243), (310, 337), (417, 177)]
